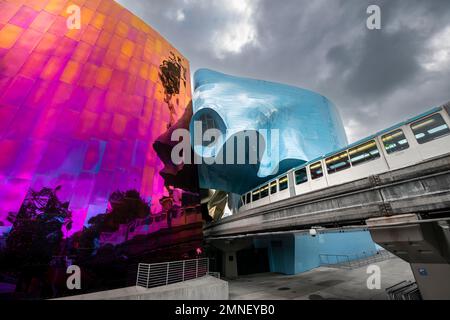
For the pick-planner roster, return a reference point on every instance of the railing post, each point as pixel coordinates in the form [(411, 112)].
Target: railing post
[(148, 275), (167, 274), (196, 268), (137, 278), (184, 263)]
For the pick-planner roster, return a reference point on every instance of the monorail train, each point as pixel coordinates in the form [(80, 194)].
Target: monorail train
[(420, 138)]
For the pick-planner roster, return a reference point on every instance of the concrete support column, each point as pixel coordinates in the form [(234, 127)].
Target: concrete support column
[(425, 244), (229, 249), (230, 265)]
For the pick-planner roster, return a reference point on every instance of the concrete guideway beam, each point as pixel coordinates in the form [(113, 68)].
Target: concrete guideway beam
[(421, 188)]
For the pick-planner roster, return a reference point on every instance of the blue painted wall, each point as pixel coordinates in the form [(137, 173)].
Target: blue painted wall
[(291, 254), (281, 251)]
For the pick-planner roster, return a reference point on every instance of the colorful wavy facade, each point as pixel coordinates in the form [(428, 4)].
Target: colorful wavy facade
[(306, 124), (81, 110)]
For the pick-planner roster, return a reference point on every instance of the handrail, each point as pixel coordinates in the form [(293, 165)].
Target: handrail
[(353, 261), (165, 273)]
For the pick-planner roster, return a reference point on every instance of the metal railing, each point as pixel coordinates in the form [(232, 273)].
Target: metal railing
[(353, 261), (214, 274), (405, 290), (165, 273)]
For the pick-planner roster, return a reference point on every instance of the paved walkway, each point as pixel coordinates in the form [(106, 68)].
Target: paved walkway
[(320, 283)]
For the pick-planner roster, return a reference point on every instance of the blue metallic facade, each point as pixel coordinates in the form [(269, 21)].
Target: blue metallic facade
[(308, 124)]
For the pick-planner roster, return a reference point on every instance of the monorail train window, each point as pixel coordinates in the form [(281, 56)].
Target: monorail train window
[(283, 183), (316, 170), (248, 198), (364, 153), (395, 141), (338, 162), (301, 176), (273, 187), (430, 128), (243, 200), (265, 191), (255, 195)]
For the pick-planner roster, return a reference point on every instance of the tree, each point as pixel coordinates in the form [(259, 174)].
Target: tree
[(36, 234), (125, 208), (106, 266)]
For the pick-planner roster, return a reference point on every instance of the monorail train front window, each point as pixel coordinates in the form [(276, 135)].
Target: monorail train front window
[(338, 162), (273, 187), (248, 196), (283, 183), (316, 170), (301, 176), (243, 200), (364, 153), (265, 191), (430, 128), (255, 195), (395, 141)]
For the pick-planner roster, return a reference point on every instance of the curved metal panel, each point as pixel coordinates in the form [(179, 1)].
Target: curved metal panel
[(308, 126)]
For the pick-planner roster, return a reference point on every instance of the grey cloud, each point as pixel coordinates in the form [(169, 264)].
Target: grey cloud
[(385, 62), (376, 78)]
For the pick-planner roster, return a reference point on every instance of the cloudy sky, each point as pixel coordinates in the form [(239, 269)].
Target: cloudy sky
[(376, 78)]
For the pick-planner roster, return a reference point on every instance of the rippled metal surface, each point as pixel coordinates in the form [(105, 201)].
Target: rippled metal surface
[(308, 125)]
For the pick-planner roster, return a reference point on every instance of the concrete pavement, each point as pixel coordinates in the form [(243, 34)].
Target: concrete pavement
[(320, 283)]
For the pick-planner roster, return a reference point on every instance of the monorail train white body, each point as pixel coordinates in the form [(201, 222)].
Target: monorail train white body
[(418, 139)]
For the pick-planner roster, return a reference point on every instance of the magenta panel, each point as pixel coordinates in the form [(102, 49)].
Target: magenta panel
[(82, 109)]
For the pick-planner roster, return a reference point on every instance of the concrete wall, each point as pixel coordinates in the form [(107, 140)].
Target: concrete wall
[(300, 252), (229, 258), (206, 288)]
